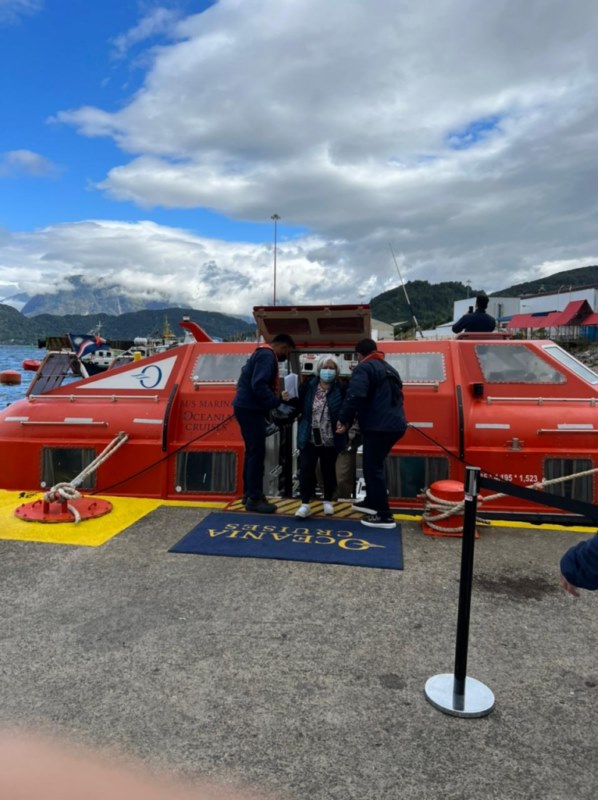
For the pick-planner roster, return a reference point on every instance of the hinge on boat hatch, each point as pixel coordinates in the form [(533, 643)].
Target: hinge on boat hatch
[(515, 443)]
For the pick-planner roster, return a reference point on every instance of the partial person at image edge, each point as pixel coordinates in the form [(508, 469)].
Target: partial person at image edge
[(477, 321), (579, 567)]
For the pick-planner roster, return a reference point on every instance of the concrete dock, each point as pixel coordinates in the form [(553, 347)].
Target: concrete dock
[(306, 680)]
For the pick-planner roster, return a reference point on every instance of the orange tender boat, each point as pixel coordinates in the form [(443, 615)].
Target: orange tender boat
[(521, 410)]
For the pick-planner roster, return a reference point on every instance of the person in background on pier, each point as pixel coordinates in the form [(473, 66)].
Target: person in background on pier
[(257, 394), (375, 397), (320, 400), (579, 567), (478, 320)]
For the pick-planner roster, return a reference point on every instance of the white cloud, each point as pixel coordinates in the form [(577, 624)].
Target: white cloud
[(157, 261), (12, 10), (158, 21), (26, 162), (341, 116)]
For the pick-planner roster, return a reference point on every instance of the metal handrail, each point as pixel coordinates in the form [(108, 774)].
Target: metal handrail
[(112, 397), (539, 400)]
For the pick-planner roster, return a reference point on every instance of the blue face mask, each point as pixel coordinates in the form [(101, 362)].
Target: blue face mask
[(327, 375)]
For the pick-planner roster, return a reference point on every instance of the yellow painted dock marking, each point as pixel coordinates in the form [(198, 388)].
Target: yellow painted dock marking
[(128, 510), (88, 533)]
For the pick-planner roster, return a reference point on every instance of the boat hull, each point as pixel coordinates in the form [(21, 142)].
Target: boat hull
[(184, 442)]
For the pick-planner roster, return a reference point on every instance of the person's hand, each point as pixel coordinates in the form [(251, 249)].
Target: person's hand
[(285, 396), (568, 587), (341, 428), (32, 767)]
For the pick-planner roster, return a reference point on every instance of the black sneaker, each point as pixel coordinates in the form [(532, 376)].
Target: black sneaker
[(363, 508), (379, 521), (245, 499), (260, 506)]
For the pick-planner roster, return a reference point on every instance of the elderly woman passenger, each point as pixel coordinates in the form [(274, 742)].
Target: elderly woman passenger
[(320, 400)]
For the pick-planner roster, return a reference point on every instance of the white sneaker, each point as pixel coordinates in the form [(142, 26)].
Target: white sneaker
[(328, 509), (303, 511)]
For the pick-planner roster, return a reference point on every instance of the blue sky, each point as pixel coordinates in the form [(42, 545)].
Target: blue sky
[(149, 143)]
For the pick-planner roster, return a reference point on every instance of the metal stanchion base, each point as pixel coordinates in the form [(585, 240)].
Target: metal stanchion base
[(477, 701)]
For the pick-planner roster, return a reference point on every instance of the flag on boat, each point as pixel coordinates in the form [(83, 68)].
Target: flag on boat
[(85, 343)]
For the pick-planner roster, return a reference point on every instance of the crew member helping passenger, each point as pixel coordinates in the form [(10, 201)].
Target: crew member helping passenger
[(375, 396), (257, 394)]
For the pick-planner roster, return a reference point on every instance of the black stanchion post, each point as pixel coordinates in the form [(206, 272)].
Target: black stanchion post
[(457, 694)]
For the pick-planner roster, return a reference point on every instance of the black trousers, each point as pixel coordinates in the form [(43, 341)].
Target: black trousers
[(253, 431), (376, 446), (308, 460)]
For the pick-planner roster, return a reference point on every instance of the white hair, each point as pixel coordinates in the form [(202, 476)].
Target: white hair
[(323, 359)]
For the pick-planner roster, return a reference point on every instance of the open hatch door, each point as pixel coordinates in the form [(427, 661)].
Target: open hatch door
[(315, 327)]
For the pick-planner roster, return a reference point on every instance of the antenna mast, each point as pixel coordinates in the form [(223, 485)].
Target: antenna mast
[(409, 306)]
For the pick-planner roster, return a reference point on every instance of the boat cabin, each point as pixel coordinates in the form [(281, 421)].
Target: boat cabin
[(521, 410)]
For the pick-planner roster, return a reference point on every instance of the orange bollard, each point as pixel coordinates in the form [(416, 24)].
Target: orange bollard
[(443, 510)]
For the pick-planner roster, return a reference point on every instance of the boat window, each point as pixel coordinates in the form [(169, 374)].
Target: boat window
[(408, 476), (219, 367), (576, 489), (418, 367), (62, 464), (515, 364), (205, 471), (572, 364)]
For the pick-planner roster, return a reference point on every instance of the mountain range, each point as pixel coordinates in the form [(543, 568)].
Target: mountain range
[(16, 328), (77, 295), (79, 308)]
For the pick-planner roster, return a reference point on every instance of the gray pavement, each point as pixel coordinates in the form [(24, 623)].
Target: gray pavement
[(302, 679)]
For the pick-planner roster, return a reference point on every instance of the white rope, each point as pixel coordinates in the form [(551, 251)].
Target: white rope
[(63, 492), (449, 508)]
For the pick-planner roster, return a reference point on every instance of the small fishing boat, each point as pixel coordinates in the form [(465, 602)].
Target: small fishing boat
[(523, 411), (100, 355)]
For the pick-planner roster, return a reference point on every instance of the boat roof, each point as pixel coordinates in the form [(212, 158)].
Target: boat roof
[(317, 325)]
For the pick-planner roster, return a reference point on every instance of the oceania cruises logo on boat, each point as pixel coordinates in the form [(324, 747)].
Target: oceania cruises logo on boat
[(151, 377)]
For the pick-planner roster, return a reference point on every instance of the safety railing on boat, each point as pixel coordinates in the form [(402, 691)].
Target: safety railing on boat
[(64, 422), (567, 430), (112, 397), (592, 401)]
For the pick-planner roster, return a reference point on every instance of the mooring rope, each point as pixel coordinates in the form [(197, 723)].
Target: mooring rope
[(67, 491), (449, 508)]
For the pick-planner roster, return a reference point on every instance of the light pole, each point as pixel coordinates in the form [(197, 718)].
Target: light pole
[(275, 217)]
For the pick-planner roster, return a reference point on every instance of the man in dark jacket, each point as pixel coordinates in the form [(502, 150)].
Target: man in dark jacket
[(257, 394), (579, 567), (477, 321), (375, 396)]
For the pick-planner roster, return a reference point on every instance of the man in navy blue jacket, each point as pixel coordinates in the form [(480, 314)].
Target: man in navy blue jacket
[(478, 321), (257, 394), (579, 567), (375, 396)]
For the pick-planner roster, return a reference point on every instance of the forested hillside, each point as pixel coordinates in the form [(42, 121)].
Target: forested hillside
[(432, 303), (15, 328)]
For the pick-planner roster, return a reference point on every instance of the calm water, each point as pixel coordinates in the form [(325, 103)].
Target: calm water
[(11, 357)]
